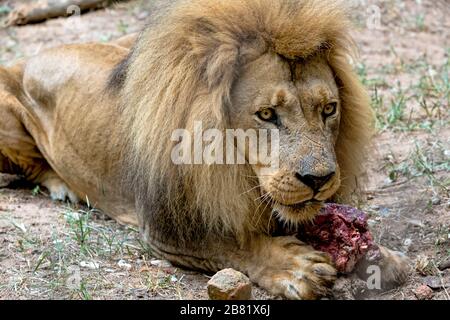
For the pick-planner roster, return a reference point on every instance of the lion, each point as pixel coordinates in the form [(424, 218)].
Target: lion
[(93, 122)]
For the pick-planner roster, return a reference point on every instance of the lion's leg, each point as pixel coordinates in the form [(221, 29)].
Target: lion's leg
[(59, 191), (282, 265), (287, 267), (18, 151), (394, 268)]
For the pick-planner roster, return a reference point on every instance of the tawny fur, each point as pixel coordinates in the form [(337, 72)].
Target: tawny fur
[(97, 125), (183, 69)]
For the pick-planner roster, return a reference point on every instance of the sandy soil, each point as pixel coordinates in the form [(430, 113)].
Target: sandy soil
[(52, 250)]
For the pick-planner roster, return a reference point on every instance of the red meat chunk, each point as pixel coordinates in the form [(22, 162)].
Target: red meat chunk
[(341, 231)]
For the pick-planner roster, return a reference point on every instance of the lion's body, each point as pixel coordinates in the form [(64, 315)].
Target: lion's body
[(73, 124), (94, 122)]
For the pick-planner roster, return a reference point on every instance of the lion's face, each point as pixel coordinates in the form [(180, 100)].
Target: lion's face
[(301, 100)]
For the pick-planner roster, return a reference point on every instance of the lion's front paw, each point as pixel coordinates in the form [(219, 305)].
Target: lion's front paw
[(394, 268), (59, 191), (297, 271)]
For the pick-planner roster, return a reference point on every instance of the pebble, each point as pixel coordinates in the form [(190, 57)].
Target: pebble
[(436, 283), (423, 292), (229, 284), (124, 265), (435, 201), (89, 265), (161, 264), (407, 242)]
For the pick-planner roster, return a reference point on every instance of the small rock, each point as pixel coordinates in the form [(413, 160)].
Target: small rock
[(124, 265), (432, 282), (407, 242), (229, 284), (436, 283), (435, 201), (161, 264), (423, 292), (89, 265)]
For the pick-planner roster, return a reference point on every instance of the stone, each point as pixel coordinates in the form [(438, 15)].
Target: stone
[(423, 292), (436, 283), (124, 265), (89, 265), (435, 201), (163, 264), (229, 284)]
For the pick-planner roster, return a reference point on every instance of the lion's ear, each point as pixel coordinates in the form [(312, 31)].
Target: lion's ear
[(220, 67), (220, 55), (217, 56), (216, 51), (357, 125)]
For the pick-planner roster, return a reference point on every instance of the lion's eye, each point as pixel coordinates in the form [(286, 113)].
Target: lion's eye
[(268, 114), (330, 109)]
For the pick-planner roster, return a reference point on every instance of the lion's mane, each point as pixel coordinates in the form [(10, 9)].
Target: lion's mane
[(182, 70)]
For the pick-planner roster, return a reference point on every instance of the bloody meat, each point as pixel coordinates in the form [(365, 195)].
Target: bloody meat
[(341, 231)]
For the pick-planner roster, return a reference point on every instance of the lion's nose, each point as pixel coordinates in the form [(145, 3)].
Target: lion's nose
[(314, 182)]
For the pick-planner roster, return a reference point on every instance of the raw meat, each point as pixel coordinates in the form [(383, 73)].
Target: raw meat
[(341, 231)]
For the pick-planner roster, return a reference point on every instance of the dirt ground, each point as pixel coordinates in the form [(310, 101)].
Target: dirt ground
[(56, 251)]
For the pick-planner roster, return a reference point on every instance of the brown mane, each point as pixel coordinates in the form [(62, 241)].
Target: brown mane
[(183, 69)]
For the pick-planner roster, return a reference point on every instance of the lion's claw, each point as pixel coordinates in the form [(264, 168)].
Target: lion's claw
[(301, 273)]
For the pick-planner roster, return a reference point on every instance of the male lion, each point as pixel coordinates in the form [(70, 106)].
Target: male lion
[(95, 121)]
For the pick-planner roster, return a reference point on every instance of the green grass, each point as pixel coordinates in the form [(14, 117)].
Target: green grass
[(122, 27), (423, 104), (427, 161), (80, 238), (78, 222), (420, 22)]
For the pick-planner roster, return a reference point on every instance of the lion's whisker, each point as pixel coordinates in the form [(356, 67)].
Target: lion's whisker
[(262, 196), (258, 186), (262, 212), (262, 175)]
